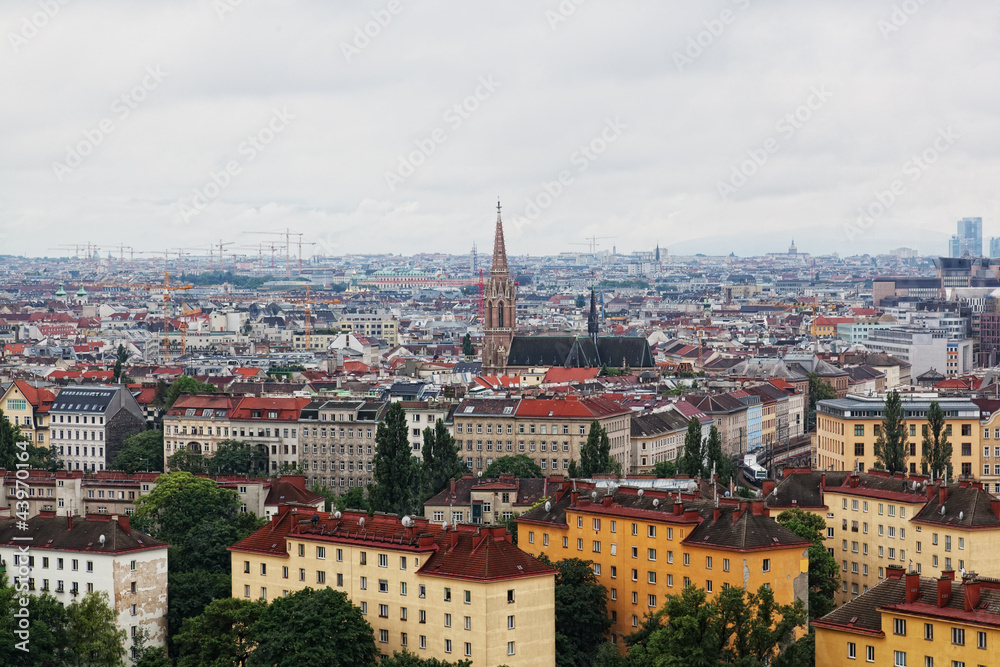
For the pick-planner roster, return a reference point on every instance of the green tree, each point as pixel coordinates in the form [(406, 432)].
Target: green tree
[(189, 593), (819, 390), (724, 466), (313, 627), (235, 457), (393, 466), (92, 632), (354, 499), (48, 640), (935, 447), (664, 470), (141, 452), (220, 635), (160, 394), (467, 348), (824, 575), (574, 469), (407, 659), (187, 461), (890, 446), (518, 466), (692, 463), (121, 356), (801, 653), (15, 448), (441, 463), (186, 384), (582, 618), (595, 455)]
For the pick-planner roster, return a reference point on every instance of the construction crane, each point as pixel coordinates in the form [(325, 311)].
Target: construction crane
[(302, 243), (592, 242), (288, 234), (185, 314)]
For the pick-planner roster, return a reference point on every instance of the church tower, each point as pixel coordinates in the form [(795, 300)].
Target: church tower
[(500, 308)]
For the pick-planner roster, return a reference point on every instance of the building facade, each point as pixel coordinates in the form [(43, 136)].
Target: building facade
[(88, 425)]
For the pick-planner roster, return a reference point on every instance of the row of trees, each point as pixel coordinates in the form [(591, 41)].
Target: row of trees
[(700, 456), (15, 448), (309, 627), (892, 449), (83, 633)]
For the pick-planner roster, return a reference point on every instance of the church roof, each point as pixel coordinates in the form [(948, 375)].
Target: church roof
[(580, 352)]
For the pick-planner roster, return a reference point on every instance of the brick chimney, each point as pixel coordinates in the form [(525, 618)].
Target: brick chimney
[(452, 487), (454, 538), (942, 494), (716, 514), (69, 521), (822, 481), (123, 521), (995, 507), (912, 586), (574, 495), (767, 487), (678, 508), (931, 491), (943, 591), (950, 574), (894, 572), (971, 588), (425, 540), (690, 513), (607, 500)]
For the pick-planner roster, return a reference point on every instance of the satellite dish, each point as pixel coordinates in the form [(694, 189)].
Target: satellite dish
[(942, 509), (336, 515), (361, 521), (548, 506), (961, 515), (315, 519), (656, 502), (640, 493), (593, 494), (101, 539), (479, 474), (727, 494), (406, 521)]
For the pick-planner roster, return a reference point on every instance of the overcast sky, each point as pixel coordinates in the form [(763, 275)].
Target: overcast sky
[(717, 126)]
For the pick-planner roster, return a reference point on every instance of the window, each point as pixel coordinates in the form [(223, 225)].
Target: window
[(981, 640), (468, 649), (899, 626), (468, 597), (383, 611), (423, 641), (320, 577), (958, 636), (383, 560), (510, 648), (900, 659), (447, 646), (321, 553), (364, 583), (851, 650), (766, 566), (929, 631), (870, 653), (383, 585), (447, 620), (447, 595), (652, 554)]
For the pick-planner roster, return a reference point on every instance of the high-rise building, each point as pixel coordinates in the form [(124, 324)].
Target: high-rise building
[(995, 246), (969, 240)]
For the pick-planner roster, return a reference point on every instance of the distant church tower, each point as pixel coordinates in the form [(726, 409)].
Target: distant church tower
[(501, 308)]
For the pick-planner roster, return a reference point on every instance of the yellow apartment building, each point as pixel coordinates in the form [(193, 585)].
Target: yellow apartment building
[(875, 521), (915, 621), (28, 407), (847, 428), (646, 545), (463, 593)]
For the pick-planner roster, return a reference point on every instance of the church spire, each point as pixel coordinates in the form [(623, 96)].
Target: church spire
[(499, 248), (593, 327)]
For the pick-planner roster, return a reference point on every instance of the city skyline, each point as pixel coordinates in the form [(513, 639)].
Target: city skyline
[(409, 120)]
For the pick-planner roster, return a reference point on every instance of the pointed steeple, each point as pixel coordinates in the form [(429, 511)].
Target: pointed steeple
[(593, 326), (499, 248)]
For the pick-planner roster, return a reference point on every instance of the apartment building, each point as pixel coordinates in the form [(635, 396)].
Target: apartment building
[(656, 437), (488, 501), (88, 425), (466, 593), (917, 621), (198, 423), (338, 442), (732, 419), (371, 323), (424, 414), (847, 428), (647, 544), (28, 408), (874, 520), (924, 348), (548, 431), (71, 556), (264, 497)]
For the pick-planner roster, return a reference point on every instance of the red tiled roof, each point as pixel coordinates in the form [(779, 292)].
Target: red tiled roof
[(571, 406), (558, 374), (288, 409), (35, 396)]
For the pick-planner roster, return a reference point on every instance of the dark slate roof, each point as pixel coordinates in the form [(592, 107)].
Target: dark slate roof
[(644, 426), (580, 352), (965, 506), (49, 532), (526, 490), (487, 406), (803, 488), (474, 367), (83, 399)]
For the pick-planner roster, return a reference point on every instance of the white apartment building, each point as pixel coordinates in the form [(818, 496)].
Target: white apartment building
[(88, 425)]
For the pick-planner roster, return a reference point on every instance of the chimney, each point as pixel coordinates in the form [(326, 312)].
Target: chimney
[(574, 495), (912, 586), (716, 514), (930, 491), (943, 591), (69, 521), (425, 540), (950, 574), (822, 481), (853, 480), (452, 487), (678, 508), (767, 487), (606, 500), (454, 538), (963, 483), (690, 513), (995, 507), (971, 594), (894, 572), (942, 494), (122, 520)]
